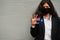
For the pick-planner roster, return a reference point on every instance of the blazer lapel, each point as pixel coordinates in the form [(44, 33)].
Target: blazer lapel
[(42, 24)]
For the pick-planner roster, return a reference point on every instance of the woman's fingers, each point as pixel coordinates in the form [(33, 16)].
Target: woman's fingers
[(34, 19), (35, 15)]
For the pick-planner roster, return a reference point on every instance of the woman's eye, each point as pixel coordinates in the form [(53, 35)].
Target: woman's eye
[(47, 7)]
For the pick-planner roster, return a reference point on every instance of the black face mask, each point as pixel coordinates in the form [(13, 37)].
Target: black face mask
[(46, 10)]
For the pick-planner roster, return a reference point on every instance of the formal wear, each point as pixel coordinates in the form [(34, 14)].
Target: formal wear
[(46, 29)]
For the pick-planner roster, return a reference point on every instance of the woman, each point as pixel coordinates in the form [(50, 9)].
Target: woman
[(45, 22)]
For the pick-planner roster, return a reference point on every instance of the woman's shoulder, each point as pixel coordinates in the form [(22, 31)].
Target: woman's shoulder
[(58, 19)]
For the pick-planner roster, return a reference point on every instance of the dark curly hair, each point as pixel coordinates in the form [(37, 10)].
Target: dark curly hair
[(38, 11)]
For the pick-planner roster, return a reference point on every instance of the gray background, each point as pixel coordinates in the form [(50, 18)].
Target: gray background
[(15, 18)]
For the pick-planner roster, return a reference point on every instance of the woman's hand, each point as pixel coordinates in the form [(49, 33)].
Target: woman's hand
[(34, 20)]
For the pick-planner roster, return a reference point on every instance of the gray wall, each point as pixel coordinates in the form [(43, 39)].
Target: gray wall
[(15, 18)]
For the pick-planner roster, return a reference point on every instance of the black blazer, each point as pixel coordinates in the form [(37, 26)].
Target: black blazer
[(39, 31)]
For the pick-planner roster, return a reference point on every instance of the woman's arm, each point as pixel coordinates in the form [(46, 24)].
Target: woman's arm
[(34, 30)]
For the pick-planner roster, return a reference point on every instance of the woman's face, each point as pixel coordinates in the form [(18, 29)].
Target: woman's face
[(46, 9), (46, 5)]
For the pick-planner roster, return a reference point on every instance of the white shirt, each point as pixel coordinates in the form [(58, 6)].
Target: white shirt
[(48, 27)]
